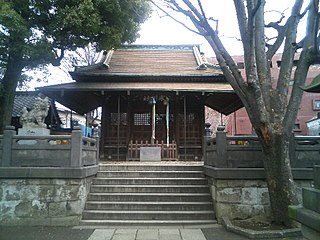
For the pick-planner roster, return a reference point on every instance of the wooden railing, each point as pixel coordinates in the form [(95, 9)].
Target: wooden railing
[(168, 151)]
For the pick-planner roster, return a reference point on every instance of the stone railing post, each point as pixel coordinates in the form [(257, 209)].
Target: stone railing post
[(76, 147), (308, 214), (95, 135), (221, 143), (97, 146), (204, 149), (8, 133)]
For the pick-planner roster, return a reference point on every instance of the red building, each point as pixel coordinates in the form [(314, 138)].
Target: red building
[(238, 122)]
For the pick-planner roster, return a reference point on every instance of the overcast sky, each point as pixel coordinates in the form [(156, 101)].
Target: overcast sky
[(163, 30)]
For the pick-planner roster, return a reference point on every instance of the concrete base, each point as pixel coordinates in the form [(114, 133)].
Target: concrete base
[(263, 234), (150, 154)]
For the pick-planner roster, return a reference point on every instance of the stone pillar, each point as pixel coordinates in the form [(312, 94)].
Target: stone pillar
[(95, 135), (8, 133), (309, 213), (221, 143), (206, 138), (76, 147)]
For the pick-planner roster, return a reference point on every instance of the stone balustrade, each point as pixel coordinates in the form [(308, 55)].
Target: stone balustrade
[(245, 151), (47, 151), (44, 180), (234, 167)]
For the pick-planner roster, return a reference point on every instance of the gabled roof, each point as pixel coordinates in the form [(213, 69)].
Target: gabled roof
[(150, 62), (141, 68)]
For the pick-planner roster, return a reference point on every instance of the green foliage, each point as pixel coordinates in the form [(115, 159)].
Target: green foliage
[(37, 32), (41, 30)]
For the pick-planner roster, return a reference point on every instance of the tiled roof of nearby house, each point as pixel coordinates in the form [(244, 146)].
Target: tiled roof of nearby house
[(23, 99), (27, 99), (144, 60)]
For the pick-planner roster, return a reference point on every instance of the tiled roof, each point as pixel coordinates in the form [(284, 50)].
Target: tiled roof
[(144, 60), (27, 99), (23, 99)]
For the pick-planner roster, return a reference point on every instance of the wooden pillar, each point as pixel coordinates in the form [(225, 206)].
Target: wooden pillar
[(168, 123), (153, 124), (202, 121), (129, 119), (176, 121), (118, 127), (185, 125), (105, 126), (102, 131)]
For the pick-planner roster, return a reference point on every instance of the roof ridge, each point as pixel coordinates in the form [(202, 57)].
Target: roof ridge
[(158, 46)]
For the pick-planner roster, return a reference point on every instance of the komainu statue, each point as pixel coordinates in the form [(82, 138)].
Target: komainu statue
[(37, 114)]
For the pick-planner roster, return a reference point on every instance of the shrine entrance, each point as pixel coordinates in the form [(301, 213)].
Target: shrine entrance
[(172, 121)]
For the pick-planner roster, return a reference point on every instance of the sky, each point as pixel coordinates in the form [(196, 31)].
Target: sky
[(163, 30)]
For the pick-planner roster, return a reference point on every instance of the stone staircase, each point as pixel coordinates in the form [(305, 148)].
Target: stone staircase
[(149, 194)]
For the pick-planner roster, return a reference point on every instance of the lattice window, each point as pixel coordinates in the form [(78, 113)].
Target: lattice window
[(115, 116), (142, 119)]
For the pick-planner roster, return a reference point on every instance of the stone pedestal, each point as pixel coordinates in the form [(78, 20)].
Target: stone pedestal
[(150, 154), (309, 213), (32, 132)]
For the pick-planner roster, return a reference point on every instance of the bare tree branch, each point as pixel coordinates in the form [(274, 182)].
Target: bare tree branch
[(276, 24), (256, 8), (242, 21), (174, 19), (289, 50), (305, 60)]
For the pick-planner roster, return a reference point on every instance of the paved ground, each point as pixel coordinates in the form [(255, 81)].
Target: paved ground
[(216, 232)]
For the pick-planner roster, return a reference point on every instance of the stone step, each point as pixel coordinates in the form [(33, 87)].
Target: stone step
[(147, 194), (150, 167), (151, 174), (151, 181), (151, 206), (149, 189), (149, 197), (155, 223), (146, 215)]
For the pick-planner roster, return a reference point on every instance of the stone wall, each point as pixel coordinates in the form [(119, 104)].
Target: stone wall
[(56, 202), (242, 199)]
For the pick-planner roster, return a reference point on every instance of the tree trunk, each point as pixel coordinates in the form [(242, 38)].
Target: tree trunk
[(279, 177), (8, 87)]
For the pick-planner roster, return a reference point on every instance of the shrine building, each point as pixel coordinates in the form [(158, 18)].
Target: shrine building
[(151, 96)]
